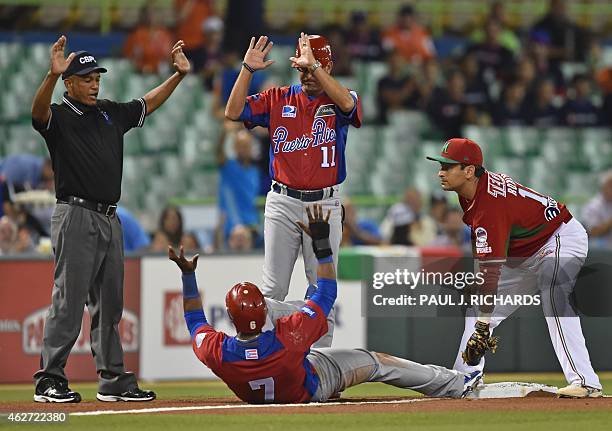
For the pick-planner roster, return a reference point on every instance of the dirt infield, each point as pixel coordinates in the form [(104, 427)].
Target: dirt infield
[(349, 405)]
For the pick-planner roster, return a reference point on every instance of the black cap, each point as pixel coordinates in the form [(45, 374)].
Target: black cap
[(406, 9), (82, 64)]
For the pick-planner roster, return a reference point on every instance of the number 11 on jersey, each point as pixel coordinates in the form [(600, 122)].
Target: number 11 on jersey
[(325, 163)]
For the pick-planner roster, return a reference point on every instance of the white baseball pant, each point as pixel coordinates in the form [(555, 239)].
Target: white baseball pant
[(552, 271), (283, 240)]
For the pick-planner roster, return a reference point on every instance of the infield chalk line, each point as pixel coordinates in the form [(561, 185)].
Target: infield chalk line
[(248, 406)]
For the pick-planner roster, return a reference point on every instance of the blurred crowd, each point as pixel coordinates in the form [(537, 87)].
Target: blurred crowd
[(27, 198), (550, 73)]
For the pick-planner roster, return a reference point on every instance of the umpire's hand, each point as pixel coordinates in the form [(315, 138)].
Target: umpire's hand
[(184, 264)]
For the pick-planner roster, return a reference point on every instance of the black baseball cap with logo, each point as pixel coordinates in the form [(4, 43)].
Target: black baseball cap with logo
[(83, 63)]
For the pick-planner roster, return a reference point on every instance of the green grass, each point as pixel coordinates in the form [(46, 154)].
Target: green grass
[(406, 420)]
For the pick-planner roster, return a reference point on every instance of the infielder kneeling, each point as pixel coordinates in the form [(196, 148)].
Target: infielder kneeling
[(277, 366)]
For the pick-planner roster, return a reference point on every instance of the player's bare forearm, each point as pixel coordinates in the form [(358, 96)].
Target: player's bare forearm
[(157, 96), (339, 94), (192, 304), (41, 104), (237, 98), (326, 270), (491, 273)]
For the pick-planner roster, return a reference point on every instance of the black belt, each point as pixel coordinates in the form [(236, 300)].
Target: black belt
[(303, 195), (106, 209)]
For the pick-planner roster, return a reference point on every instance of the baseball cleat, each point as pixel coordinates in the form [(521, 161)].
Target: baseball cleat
[(470, 382), (578, 391), (134, 394), (50, 390)]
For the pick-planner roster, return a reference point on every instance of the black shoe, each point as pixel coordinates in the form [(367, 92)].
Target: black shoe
[(50, 390), (135, 394)]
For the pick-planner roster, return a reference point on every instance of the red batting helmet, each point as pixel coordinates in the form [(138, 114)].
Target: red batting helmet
[(320, 48), (246, 307)]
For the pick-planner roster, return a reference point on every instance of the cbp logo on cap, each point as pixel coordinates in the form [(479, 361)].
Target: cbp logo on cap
[(289, 111), (86, 59)]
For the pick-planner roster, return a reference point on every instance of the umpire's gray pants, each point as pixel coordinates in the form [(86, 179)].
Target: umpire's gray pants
[(339, 369), (88, 249)]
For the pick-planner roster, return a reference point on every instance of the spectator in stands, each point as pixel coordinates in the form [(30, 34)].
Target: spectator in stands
[(169, 230), (213, 38), (190, 242), (447, 106), (407, 224), (525, 74), (428, 81), (363, 41), (8, 236), (148, 44), (409, 38), (510, 110), (243, 19), (604, 79), (476, 91), (495, 62), (396, 90), (190, 15), (239, 182), (340, 52), (569, 42), (27, 171), (597, 214), (134, 236), (507, 37), (438, 206), (579, 110), (542, 113), (454, 231), (539, 48), (241, 238), (356, 231)]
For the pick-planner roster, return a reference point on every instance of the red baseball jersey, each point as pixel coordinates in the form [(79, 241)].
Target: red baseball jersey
[(508, 219), (271, 368), (307, 134)]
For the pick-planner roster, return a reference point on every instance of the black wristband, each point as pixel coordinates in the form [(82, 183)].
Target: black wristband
[(321, 248), (247, 67)]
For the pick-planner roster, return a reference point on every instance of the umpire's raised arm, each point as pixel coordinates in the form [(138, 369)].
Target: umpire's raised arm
[(157, 96), (318, 230)]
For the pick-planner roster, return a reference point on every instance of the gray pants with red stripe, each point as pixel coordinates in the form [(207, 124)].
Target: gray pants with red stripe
[(552, 272)]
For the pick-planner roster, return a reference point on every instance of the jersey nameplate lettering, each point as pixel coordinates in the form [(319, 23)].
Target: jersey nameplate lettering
[(500, 184), (321, 134)]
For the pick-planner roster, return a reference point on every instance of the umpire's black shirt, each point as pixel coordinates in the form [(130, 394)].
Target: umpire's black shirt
[(86, 146)]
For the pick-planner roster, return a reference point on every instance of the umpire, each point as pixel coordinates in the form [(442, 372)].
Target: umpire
[(84, 136)]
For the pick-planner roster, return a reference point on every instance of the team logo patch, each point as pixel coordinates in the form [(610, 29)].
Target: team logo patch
[(251, 354), (289, 111), (325, 111), (481, 236), (481, 240), (309, 311), (199, 339)]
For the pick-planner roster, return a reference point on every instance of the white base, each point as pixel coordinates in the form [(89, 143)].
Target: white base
[(512, 390)]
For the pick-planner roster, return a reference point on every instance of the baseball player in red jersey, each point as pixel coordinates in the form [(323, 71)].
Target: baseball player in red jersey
[(522, 239), (278, 366), (308, 125)]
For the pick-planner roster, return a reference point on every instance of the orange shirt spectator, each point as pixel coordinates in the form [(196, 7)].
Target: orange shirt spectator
[(409, 38), (148, 44), (190, 14)]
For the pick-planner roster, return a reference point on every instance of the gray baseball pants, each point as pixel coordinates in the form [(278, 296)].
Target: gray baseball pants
[(88, 249), (339, 369), (284, 239)]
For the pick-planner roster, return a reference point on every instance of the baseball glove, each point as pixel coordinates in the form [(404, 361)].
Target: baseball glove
[(478, 344)]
